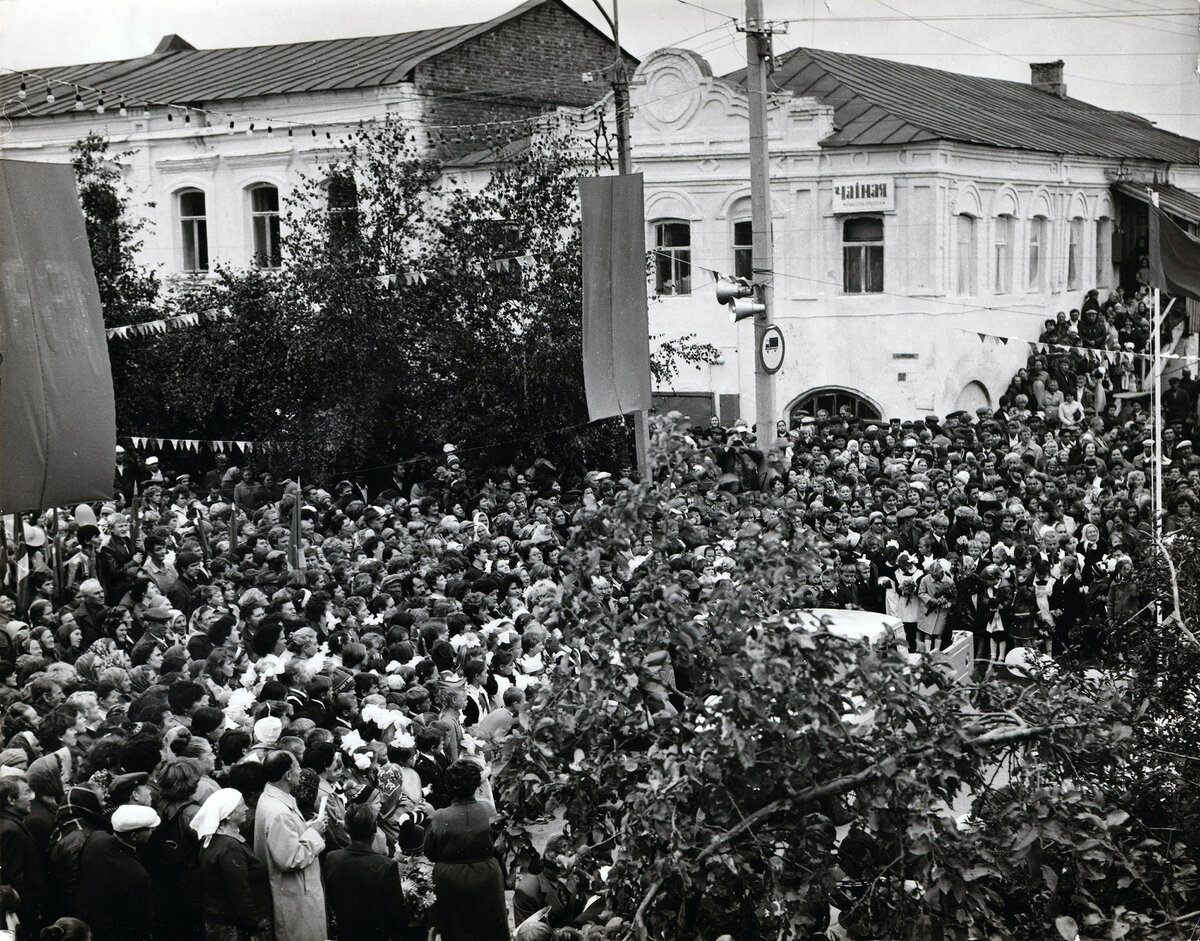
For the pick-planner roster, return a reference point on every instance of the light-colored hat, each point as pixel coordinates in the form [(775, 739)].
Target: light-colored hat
[(134, 817), (267, 730)]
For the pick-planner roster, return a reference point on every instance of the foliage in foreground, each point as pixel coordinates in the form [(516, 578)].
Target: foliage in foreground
[(712, 809)]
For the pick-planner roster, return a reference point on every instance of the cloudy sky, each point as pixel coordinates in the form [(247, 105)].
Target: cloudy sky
[(1131, 55)]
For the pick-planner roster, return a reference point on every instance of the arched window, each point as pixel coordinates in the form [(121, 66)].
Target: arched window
[(264, 222), (967, 244), (193, 229), (862, 255), (832, 401), (1002, 254), (1038, 227), (672, 257)]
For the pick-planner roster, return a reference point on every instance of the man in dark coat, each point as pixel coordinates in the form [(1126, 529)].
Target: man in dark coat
[(92, 610), (124, 476), (20, 862), (116, 896), (119, 560), (362, 887)]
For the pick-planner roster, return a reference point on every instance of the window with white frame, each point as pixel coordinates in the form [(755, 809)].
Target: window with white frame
[(1002, 254), (1036, 272), (1074, 254), (672, 257), (264, 222), (193, 229), (862, 255), (743, 249), (1103, 252), (967, 234)]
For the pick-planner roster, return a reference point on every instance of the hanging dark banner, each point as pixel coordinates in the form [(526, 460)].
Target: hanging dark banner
[(57, 419), (616, 341)]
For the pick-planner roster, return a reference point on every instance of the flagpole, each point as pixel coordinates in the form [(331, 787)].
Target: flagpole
[(1157, 403)]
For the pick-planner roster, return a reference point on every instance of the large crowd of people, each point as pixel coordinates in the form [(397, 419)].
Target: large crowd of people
[(234, 708)]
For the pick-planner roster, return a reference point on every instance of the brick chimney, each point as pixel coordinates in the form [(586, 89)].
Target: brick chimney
[(1047, 77)]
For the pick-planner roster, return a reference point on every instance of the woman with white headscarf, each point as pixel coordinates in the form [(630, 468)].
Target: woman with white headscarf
[(235, 885)]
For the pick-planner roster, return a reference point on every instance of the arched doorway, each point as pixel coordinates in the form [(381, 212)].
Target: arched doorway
[(974, 395), (832, 400)]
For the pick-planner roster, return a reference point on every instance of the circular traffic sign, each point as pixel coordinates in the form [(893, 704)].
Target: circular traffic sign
[(770, 353)]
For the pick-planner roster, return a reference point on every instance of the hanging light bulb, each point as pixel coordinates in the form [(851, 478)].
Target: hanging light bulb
[(230, 127), (146, 112), (249, 129), (122, 110), (187, 117), (170, 116), (21, 91), (78, 100), (314, 132), (270, 130), (289, 132), (100, 106), (49, 94)]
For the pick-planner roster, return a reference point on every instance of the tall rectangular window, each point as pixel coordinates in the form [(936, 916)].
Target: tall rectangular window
[(193, 225), (672, 258), (1103, 252), (341, 190), (1002, 255), (1037, 253), (862, 255), (968, 252), (743, 249), (264, 218), (1074, 247)]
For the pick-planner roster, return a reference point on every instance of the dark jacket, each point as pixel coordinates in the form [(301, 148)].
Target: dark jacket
[(90, 618), (115, 895), (362, 889), (236, 887), (117, 568), (22, 866)]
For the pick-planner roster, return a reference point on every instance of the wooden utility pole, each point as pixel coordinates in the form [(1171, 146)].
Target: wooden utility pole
[(758, 60), (620, 87)]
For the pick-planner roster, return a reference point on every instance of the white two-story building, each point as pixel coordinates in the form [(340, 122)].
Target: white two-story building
[(912, 209)]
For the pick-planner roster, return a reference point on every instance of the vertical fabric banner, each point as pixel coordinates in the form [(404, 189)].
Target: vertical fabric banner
[(616, 333), (1174, 257), (57, 419)]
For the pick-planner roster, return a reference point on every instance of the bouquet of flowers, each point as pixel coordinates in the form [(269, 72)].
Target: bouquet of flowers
[(416, 881)]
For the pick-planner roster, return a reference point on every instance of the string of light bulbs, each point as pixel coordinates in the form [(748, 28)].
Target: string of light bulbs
[(458, 132)]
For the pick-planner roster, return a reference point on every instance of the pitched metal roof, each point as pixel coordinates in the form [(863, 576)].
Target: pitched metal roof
[(881, 102), (184, 75), (1171, 199)]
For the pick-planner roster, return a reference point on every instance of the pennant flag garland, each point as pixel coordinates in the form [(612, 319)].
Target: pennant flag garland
[(145, 442), (163, 325), (1046, 348)]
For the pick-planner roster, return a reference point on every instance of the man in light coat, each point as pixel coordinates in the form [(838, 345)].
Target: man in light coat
[(289, 846)]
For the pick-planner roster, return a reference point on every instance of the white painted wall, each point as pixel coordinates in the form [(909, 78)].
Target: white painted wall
[(689, 133), (169, 156)]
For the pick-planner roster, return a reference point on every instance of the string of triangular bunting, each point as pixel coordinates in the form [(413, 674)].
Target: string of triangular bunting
[(154, 442), (419, 276), (164, 324), (1035, 346)]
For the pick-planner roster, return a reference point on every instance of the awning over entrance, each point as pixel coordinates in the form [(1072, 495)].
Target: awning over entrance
[(1171, 199)]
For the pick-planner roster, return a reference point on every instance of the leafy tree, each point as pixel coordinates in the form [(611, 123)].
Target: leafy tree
[(709, 805), (479, 344), (128, 291)]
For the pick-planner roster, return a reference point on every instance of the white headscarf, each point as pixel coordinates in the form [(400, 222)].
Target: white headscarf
[(214, 811)]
